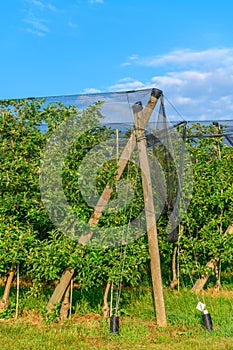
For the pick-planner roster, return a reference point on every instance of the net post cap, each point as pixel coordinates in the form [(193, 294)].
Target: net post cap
[(137, 107), (156, 93)]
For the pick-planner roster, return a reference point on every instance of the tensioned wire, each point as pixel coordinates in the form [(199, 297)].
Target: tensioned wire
[(125, 238)]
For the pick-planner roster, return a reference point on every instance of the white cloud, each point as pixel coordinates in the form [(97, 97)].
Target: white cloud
[(38, 24), (35, 32), (96, 1), (52, 8), (36, 3), (199, 83), (186, 56), (183, 100), (36, 12), (127, 84), (132, 58), (91, 91), (170, 80), (42, 5)]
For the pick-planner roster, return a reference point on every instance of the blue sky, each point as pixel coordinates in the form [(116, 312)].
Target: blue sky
[(62, 47)]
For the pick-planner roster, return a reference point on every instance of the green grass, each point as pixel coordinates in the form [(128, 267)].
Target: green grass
[(88, 330)]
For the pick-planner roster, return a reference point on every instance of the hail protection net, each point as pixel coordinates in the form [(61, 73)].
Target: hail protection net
[(100, 134), (221, 128), (91, 177)]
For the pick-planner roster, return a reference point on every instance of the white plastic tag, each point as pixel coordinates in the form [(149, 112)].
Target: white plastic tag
[(200, 306)]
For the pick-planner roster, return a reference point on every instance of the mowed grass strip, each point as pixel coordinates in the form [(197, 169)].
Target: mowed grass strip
[(92, 334), (87, 329)]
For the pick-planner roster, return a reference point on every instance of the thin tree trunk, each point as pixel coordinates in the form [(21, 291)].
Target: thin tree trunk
[(4, 303), (212, 264), (17, 294), (174, 281), (106, 308), (218, 276), (175, 262)]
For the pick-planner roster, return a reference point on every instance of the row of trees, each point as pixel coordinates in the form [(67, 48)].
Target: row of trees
[(29, 239)]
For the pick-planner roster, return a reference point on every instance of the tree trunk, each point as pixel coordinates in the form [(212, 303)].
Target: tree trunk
[(106, 306), (218, 276), (174, 281), (175, 265), (64, 311), (200, 283), (4, 303)]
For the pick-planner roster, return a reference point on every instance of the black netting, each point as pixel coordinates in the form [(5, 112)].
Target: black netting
[(170, 165), (223, 129)]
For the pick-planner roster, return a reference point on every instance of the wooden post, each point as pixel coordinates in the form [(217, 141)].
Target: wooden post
[(150, 216)]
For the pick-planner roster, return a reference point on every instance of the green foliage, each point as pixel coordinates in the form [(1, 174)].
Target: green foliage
[(16, 240), (9, 312), (29, 238), (211, 208)]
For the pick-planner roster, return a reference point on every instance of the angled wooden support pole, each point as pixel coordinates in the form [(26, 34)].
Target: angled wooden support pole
[(60, 289), (200, 283), (150, 216)]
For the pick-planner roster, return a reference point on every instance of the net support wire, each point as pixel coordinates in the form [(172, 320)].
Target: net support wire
[(114, 318)]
